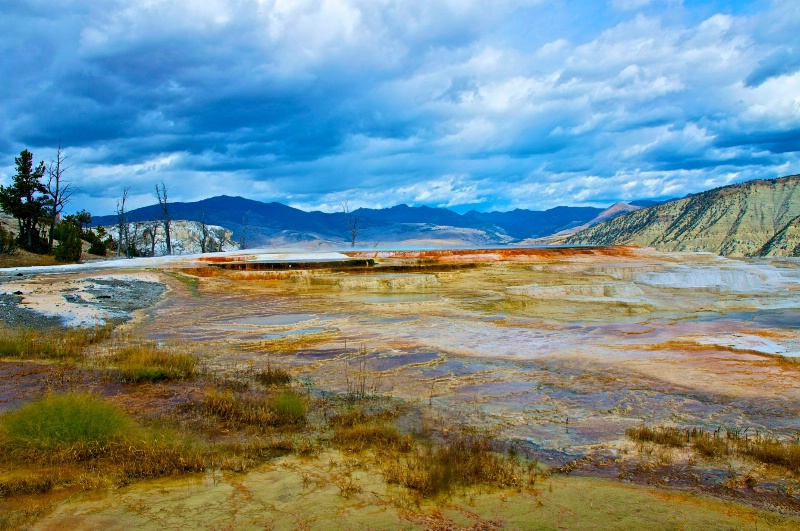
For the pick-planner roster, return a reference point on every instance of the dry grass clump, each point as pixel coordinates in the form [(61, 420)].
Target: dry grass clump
[(238, 410), (461, 460), (240, 456), (138, 363), (156, 455), (722, 443), (769, 450), (663, 435), (273, 376), (380, 436), (358, 428), (59, 344)]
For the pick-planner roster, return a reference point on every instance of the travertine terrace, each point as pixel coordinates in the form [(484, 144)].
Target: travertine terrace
[(521, 338), (560, 349)]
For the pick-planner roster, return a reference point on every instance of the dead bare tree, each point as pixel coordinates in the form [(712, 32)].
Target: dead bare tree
[(149, 235), (122, 225), (245, 229), (134, 238), (204, 235), (352, 223), (162, 201), (58, 190)]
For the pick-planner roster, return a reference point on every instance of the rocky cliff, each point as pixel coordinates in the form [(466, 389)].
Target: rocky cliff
[(755, 218)]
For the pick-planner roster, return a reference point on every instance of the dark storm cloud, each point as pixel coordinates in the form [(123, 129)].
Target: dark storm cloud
[(781, 62), (503, 104)]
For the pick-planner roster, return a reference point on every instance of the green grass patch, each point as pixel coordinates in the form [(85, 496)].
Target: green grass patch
[(140, 363), (57, 422), (81, 429), (289, 408), (193, 283)]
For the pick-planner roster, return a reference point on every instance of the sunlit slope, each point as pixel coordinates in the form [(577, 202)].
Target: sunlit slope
[(756, 218)]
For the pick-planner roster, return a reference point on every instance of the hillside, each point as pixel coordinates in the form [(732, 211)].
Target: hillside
[(755, 218)]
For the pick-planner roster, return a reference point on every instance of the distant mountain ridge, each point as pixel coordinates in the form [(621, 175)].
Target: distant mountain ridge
[(278, 224), (754, 218)]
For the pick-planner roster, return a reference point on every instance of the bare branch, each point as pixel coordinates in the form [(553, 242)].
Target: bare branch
[(161, 193), (352, 223), (58, 190)]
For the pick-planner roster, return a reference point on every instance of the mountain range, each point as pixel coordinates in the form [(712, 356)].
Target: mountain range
[(275, 224), (754, 218)]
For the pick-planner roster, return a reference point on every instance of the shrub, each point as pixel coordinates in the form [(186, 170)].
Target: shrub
[(140, 363), (60, 421), (8, 243), (69, 242), (98, 248)]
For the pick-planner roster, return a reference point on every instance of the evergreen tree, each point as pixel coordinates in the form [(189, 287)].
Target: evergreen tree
[(69, 240), (85, 219), (26, 200)]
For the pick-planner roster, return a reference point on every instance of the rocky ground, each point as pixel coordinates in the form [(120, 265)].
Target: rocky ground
[(46, 301)]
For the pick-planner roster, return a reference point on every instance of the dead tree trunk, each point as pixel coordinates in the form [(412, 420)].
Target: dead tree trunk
[(162, 201), (59, 190), (122, 223), (352, 223)]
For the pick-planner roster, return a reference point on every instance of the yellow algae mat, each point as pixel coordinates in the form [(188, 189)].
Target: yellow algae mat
[(328, 492)]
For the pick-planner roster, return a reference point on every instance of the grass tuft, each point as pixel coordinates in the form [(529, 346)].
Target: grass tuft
[(141, 363), (381, 436), (75, 428), (58, 422), (664, 435), (237, 409), (273, 376), (289, 408)]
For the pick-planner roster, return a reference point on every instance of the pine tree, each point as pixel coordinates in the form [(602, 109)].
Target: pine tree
[(26, 200)]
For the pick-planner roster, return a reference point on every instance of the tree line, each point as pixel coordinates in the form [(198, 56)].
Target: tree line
[(140, 238), (36, 199)]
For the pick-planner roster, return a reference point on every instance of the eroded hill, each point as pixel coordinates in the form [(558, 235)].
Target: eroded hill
[(755, 218)]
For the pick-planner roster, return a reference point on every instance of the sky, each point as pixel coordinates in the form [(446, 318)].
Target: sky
[(491, 105)]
